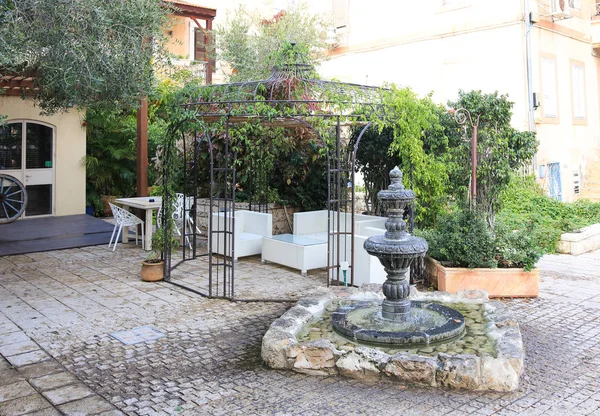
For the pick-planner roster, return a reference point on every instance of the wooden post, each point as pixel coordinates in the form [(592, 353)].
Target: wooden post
[(142, 148), (474, 164), (209, 64)]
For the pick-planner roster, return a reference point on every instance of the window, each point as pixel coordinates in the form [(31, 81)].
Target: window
[(340, 15), (549, 89), (578, 90)]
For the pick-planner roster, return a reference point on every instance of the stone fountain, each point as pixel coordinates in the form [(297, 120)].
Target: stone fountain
[(398, 320), (376, 332)]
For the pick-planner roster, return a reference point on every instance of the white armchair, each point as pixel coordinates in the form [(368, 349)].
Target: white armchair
[(250, 227), (311, 224), (368, 269)]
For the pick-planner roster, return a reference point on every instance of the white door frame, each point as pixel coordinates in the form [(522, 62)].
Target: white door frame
[(22, 174)]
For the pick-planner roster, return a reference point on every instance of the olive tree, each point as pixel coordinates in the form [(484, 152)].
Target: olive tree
[(251, 45), (83, 52)]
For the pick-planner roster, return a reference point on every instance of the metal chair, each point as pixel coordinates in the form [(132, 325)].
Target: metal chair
[(124, 218), (181, 217)]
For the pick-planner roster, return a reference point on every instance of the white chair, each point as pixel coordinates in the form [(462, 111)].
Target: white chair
[(181, 217), (124, 218), (250, 227), (314, 224)]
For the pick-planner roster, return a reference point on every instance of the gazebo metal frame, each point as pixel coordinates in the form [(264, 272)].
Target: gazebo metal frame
[(297, 96)]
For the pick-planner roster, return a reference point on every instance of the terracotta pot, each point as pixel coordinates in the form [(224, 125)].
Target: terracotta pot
[(152, 271), (498, 283)]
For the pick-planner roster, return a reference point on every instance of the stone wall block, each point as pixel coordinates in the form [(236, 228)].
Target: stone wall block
[(459, 371), (359, 366), (274, 347), (510, 345), (500, 374), (409, 368), (316, 356)]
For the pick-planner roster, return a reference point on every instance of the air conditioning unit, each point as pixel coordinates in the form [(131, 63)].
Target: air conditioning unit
[(560, 8)]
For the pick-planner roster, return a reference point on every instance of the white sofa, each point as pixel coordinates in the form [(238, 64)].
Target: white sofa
[(250, 227), (368, 269)]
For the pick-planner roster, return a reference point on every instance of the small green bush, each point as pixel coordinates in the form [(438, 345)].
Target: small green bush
[(525, 206), (463, 239)]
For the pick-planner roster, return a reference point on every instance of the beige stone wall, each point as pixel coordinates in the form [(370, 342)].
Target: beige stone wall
[(444, 46), (283, 216), (179, 38), (69, 148)]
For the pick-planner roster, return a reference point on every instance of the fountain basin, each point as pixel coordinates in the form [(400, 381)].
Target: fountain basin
[(488, 357), (426, 323)]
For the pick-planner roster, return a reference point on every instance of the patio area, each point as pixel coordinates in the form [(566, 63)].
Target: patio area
[(53, 233), (58, 310)]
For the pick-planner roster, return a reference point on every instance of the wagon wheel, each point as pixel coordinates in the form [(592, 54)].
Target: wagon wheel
[(13, 199)]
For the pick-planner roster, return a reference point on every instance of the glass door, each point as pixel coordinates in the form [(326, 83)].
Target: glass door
[(27, 153)]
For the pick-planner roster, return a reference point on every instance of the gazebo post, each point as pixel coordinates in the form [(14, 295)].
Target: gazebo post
[(142, 149)]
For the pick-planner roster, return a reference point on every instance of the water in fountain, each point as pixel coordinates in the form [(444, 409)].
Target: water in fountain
[(397, 320)]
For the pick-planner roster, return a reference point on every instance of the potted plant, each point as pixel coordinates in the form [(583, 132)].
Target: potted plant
[(154, 264), (466, 254), (162, 241)]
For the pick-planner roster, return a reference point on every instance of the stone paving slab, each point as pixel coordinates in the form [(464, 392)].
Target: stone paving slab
[(15, 390), (209, 360), (53, 381), (24, 405)]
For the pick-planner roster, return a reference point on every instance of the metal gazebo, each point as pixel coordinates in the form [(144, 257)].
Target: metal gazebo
[(291, 98)]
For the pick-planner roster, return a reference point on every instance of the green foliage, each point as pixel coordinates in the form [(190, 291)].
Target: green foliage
[(463, 239), (251, 46), (418, 141), (501, 149), (111, 146), (374, 161), (163, 241), (516, 247), (84, 52), (525, 206)]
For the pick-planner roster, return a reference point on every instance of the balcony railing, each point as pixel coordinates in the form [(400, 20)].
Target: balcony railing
[(595, 11), (595, 25), (186, 70)]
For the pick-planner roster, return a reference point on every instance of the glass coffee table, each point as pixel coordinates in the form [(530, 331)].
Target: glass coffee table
[(295, 251)]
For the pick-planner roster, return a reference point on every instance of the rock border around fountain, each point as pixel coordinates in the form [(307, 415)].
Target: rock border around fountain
[(281, 349)]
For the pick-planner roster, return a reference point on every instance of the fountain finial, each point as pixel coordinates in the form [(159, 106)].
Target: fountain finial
[(396, 180)]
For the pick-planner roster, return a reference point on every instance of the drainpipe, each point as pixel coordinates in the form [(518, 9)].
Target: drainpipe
[(529, 68)]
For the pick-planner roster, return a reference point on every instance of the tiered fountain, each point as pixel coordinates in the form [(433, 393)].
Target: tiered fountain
[(398, 320), (356, 333)]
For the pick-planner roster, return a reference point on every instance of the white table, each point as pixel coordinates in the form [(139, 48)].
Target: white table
[(295, 251), (147, 203)]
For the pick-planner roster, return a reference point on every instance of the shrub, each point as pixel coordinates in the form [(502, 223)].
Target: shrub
[(463, 239), (525, 206), (516, 247)]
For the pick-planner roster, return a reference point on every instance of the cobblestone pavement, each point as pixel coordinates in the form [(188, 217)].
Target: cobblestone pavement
[(58, 309)]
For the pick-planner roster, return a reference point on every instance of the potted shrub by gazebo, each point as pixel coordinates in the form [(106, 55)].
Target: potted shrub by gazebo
[(465, 254)]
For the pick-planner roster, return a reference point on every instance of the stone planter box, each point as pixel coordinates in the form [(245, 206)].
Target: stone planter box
[(583, 241), (498, 283)]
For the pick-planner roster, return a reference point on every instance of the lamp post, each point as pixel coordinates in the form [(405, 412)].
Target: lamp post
[(461, 116)]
